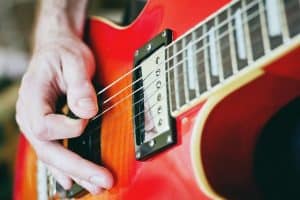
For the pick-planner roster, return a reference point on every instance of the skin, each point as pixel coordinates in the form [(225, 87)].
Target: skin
[(61, 64)]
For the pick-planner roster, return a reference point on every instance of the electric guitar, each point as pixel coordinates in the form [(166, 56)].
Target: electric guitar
[(185, 91)]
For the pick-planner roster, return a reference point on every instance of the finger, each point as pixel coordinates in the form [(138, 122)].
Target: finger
[(73, 165), (39, 110), (63, 180), (90, 187), (81, 95), (61, 127), (55, 126)]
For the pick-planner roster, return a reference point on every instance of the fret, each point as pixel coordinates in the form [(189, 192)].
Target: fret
[(265, 38), (214, 67), (200, 61), (210, 41), (231, 43), (191, 54), (192, 77), (179, 73), (185, 71), (205, 61), (247, 33), (172, 86), (255, 30), (292, 11), (218, 50), (284, 24), (238, 36), (224, 45), (175, 71)]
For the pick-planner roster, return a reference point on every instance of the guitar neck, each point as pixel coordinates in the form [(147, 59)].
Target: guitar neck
[(225, 44)]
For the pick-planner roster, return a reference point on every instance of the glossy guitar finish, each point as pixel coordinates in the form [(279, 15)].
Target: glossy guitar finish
[(229, 120)]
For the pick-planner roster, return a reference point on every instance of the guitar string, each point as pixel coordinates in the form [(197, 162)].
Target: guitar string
[(227, 32), (131, 94), (229, 19), (128, 87), (172, 68), (164, 85)]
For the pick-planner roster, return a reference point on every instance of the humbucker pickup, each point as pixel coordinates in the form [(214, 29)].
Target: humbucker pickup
[(153, 124)]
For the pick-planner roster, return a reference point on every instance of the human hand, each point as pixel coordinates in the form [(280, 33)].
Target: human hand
[(60, 65)]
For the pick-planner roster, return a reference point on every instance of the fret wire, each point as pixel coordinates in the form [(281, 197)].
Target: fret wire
[(247, 34), (265, 37), (232, 45), (175, 71), (174, 83), (186, 91), (206, 67), (219, 54), (169, 81), (193, 46), (285, 30)]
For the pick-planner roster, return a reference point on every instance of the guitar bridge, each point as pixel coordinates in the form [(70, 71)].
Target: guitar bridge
[(153, 124)]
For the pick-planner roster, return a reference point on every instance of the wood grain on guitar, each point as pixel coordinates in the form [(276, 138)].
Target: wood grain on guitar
[(231, 66)]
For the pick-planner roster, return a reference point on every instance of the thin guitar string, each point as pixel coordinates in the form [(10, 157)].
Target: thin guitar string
[(257, 25), (149, 84), (172, 68), (127, 87), (193, 42), (229, 19), (156, 103), (121, 100), (163, 85)]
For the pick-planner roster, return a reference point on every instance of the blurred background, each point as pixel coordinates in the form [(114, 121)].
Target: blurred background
[(16, 27)]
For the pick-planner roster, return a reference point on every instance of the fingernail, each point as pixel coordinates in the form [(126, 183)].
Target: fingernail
[(100, 181), (86, 103)]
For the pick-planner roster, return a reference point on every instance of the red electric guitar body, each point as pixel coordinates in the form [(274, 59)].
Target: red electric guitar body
[(216, 128)]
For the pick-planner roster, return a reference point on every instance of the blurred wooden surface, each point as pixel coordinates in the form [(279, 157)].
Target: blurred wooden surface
[(8, 138)]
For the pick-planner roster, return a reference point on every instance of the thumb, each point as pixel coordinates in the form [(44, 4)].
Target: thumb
[(81, 95), (82, 99)]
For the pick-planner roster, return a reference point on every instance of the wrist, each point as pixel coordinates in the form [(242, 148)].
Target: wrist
[(59, 19)]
